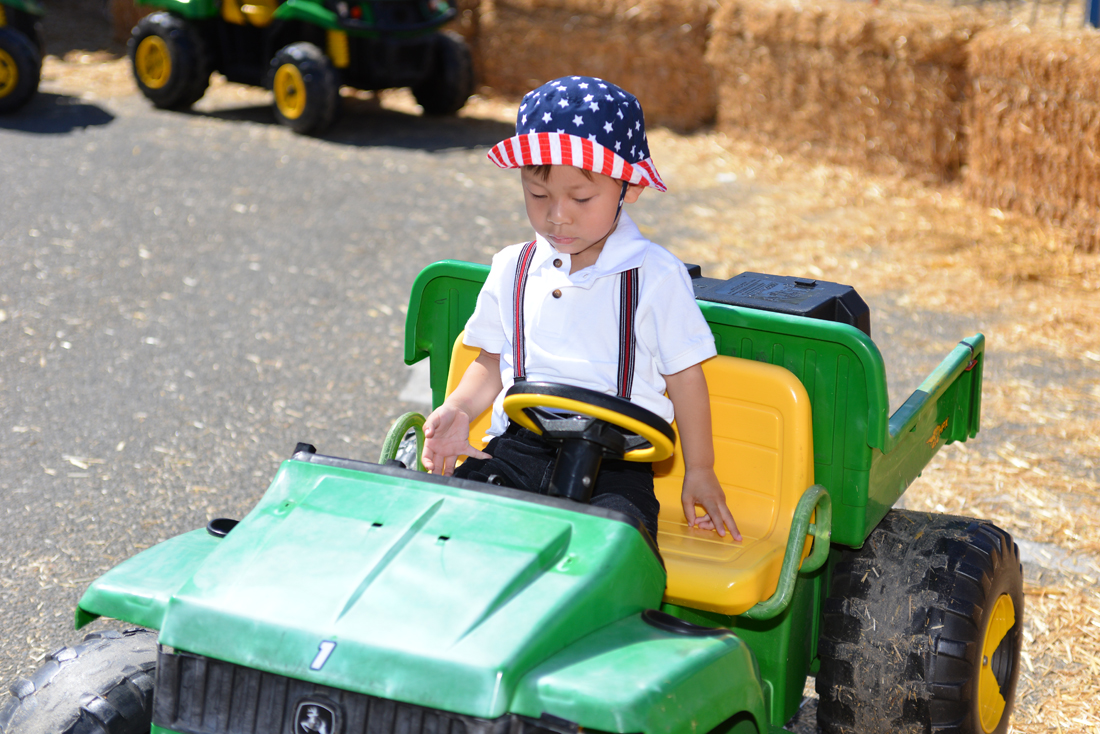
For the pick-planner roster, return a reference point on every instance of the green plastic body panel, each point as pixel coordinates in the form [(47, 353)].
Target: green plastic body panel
[(27, 6), (632, 677), (434, 594), (863, 456), (308, 11), (138, 589), (190, 9), (785, 646)]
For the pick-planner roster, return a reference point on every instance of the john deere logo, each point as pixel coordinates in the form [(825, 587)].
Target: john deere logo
[(314, 717)]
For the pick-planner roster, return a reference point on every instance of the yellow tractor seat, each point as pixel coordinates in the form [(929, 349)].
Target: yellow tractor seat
[(763, 446)]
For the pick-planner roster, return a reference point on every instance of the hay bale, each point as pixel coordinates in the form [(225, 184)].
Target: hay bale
[(653, 48), (468, 25), (124, 16), (1035, 131), (865, 85)]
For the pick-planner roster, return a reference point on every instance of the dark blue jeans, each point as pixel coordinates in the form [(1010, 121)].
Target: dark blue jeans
[(523, 460)]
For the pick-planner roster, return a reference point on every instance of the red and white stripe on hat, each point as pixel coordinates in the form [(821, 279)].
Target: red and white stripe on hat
[(562, 149)]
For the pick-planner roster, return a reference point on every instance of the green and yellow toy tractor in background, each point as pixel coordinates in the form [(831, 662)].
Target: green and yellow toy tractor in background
[(371, 598), (21, 52), (304, 51)]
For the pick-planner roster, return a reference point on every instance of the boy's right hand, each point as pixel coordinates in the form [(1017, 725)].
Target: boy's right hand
[(446, 437)]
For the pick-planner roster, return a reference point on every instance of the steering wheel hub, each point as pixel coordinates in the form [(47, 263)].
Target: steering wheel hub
[(588, 426)]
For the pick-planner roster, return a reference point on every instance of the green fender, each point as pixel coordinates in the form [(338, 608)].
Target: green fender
[(634, 677), (138, 590), (27, 6), (190, 9), (308, 11)]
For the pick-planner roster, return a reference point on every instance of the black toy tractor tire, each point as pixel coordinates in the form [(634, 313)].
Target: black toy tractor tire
[(905, 625), (20, 69), (451, 81), (104, 685), (306, 88), (170, 61)]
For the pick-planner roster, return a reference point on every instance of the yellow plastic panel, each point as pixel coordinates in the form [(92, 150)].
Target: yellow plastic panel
[(259, 12), (462, 357), (231, 12), (338, 50), (764, 461)]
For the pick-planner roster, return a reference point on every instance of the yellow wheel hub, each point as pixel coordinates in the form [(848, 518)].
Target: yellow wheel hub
[(9, 74), (991, 702), (153, 62), (290, 91)]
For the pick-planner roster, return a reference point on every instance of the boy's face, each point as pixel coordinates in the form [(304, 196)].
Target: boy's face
[(574, 212)]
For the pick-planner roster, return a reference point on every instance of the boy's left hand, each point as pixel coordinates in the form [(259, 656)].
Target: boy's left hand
[(701, 487)]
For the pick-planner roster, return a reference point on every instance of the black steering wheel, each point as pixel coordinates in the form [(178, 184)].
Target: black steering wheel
[(589, 426)]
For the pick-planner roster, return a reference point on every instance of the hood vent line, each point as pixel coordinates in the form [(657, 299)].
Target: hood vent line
[(395, 549)]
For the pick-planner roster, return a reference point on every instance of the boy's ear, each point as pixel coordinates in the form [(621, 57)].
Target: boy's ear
[(633, 191)]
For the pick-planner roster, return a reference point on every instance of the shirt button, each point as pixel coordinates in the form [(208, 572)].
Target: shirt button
[(556, 294), (557, 263)]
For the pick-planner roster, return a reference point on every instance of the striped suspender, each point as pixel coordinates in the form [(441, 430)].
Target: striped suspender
[(519, 340), (628, 311)]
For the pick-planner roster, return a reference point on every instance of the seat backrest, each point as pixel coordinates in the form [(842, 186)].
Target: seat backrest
[(462, 356), (763, 450)]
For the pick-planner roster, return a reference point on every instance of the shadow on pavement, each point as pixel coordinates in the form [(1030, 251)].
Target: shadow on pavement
[(55, 114), (364, 123)]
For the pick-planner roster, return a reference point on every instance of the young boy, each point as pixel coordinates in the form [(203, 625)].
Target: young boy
[(553, 310)]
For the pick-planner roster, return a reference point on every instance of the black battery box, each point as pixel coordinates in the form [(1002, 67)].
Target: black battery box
[(815, 299)]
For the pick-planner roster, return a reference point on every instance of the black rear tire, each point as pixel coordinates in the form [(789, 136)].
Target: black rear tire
[(307, 91), (922, 630), (20, 69), (104, 685), (170, 61), (451, 82)]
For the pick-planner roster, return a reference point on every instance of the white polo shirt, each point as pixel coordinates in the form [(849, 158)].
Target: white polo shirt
[(573, 337)]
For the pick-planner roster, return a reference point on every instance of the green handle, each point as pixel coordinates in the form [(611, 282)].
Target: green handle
[(816, 497), (397, 433)]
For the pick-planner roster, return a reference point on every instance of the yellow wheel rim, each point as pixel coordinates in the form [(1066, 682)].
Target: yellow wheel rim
[(290, 91), (153, 62), (661, 447), (991, 702), (9, 74)]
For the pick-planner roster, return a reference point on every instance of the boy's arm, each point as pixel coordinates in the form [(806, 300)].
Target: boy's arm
[(691, 399), (447, 429)]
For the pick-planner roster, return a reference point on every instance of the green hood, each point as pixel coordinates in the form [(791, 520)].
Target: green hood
[(438, 593)]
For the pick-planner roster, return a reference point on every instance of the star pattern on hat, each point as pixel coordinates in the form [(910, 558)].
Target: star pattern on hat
[(589, 108), (585, 122)]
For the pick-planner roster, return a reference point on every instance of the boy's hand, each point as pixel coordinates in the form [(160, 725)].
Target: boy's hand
[(701, 487), (446, 437)]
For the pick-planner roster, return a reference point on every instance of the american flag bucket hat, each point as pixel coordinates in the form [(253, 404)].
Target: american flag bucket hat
[(584, 122)]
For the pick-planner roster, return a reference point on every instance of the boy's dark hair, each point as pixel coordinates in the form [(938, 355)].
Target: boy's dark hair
[(542, 172)]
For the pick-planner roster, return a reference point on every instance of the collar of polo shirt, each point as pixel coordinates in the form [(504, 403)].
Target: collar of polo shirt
[(625, 249)]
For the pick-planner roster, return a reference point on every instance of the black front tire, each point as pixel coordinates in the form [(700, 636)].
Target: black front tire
[(451, 82), (20, 69), (922, 630), (307, 91), (102, 686), (170, 61)]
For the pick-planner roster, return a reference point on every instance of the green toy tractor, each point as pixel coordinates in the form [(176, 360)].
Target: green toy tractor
[(361, 598), (20, 52), (304, 51)]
